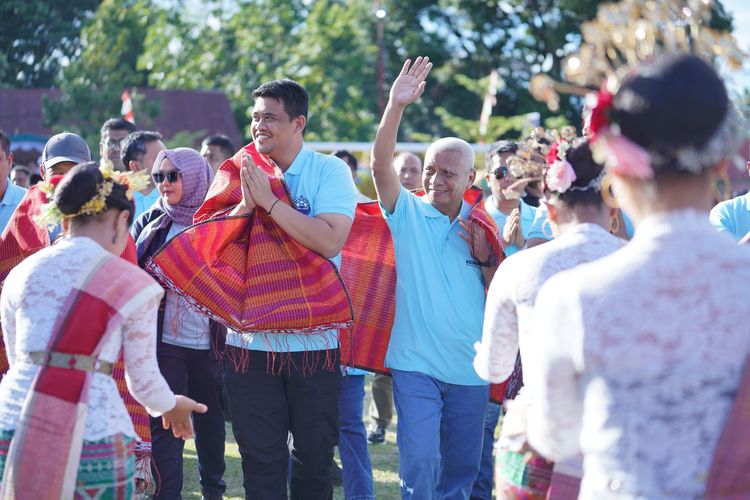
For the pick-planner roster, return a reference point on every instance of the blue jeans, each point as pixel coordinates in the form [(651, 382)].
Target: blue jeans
[(355, 458), (483, 484), (439, 435)]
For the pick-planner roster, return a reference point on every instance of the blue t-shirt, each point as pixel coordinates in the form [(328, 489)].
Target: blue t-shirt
[(144, 202), (12, 197), (440, 294), (527, 219), (318, 184), (540, 227), (732, 216)]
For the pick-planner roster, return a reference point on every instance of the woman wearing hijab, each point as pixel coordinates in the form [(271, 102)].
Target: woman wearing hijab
[(188, 341)]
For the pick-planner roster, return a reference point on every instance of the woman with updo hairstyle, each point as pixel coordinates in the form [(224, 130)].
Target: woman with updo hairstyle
[(580, 220), (641, 353), (67, 313)]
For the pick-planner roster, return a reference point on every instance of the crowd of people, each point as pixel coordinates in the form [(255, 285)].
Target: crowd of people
[(603, 285)]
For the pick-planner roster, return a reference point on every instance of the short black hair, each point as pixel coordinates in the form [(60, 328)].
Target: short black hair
[(349, 158), (499, 148), (133, 147), (5, 142), (222, 142), (289, 93), (117, 124), (669, 103)]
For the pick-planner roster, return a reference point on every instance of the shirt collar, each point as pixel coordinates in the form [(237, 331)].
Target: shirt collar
[(432, 212), (12, 195), (299, 161)]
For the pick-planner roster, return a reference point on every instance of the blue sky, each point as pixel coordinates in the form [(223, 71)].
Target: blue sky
[(740, 9)]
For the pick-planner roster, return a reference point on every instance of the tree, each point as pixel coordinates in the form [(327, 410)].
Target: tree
[(90, 86), (37, 36)]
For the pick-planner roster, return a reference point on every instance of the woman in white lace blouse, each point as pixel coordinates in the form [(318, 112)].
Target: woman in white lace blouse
[(579, 220), (637, 356), (67, 312)]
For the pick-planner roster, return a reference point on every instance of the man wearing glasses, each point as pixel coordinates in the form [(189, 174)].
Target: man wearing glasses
[(512, 215), (112, 133), (138, 152)]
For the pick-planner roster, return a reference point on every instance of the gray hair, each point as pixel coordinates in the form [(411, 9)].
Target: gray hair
[(453, 144)]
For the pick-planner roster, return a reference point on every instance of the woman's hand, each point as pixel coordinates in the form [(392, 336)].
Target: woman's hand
[(179, 418)]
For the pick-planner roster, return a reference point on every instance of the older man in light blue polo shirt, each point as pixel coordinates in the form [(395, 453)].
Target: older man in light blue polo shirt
[(10, 194), (440, 298)]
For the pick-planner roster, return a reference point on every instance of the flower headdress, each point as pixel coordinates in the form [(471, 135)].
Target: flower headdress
[(51, 216), (620, 37)]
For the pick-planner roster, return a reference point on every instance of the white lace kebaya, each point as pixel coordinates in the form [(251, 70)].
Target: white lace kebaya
[(510, 300), (637, 358), (31, 297)]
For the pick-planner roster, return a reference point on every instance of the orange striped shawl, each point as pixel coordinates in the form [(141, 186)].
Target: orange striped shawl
[(368, 267), (245, 271)]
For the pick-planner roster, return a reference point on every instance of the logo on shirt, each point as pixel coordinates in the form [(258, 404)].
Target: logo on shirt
[(473, 263), (302, 205)]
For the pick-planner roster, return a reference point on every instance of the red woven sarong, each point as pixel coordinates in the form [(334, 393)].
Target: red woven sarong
[(21, 238), (368, 267), (247, 273), (729, 477)]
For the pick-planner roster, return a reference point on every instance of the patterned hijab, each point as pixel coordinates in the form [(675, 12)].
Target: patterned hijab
[(196, 179)]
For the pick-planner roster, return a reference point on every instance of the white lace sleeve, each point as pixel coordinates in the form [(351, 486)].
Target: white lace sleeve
[(496, 355), (551, 372), (8, 315), (142, 374)]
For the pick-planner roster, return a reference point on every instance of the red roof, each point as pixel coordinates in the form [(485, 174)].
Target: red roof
[(207, 111)]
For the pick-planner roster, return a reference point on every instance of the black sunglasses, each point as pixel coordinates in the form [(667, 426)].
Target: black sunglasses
[(171, 176), (500, 173)]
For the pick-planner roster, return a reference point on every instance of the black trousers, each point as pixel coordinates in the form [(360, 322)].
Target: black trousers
[(193, 373), (268, 402)]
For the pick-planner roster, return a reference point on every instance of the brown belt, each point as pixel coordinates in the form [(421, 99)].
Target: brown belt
[(80, 362)]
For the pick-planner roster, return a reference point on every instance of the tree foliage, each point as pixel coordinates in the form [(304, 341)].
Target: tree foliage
[(37, 36), (330, 47)]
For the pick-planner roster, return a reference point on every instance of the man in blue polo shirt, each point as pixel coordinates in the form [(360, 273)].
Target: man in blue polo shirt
[(282, 391), (512, 215), (440, 298), (733, 216), (10, 194)]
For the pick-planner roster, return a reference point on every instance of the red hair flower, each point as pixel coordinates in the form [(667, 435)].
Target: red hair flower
[(600, 113)]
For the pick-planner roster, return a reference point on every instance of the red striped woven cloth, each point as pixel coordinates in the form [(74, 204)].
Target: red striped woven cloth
[(368, 267), (728, 477), (22, 238), (246, 272)]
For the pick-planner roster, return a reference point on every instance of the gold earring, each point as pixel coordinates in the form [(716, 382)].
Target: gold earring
[(614, 224)]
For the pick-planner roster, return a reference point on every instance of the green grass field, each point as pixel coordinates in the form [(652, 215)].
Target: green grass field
[(384, 459)]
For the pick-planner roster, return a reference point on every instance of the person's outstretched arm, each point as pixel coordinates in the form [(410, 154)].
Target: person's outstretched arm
[(407, 88)]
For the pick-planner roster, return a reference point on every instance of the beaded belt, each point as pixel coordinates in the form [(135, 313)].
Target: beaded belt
[(80, 362)]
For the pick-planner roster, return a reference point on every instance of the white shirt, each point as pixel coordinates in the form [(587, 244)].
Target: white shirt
[(640, 354), (29, 306), (510, 300)]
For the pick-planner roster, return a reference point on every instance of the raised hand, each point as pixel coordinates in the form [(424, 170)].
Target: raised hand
[(410, 83)]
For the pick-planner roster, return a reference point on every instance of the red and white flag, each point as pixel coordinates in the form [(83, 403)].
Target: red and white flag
[(127, 107)]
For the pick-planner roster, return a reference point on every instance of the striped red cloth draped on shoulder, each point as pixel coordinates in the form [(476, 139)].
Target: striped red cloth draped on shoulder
[(247, 273), (368, 267), (22, 238)]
